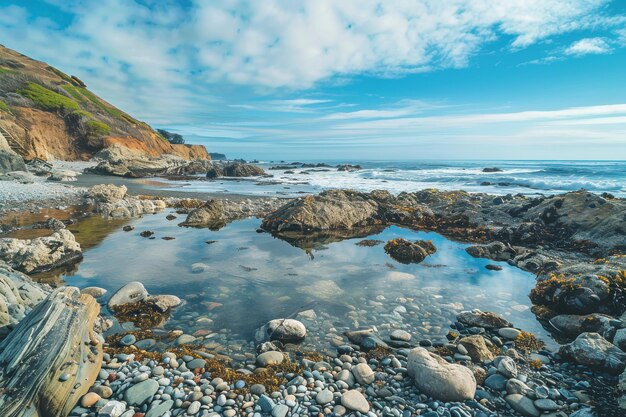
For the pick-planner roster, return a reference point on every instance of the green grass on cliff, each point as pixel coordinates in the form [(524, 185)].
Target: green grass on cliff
[(96, 128), (4, 106), (47, 99)]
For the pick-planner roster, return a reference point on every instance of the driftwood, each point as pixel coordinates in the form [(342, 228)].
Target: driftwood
[(51, 358)]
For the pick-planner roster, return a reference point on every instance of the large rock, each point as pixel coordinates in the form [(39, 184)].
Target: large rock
[(52, 357), (477, 348), (140, 393), (283, 330), (10, 161), (107, 193), (328, 211), (593, 350), (210, 215), (18, 295), (131, 293), (354, 400), (440, 379), (522, 405), (407, 252), (42, 253), (573, 325), (477, 318), (234, 169)]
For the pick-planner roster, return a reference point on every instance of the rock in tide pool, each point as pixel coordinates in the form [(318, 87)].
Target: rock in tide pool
[(283, 330), (407, 252), (164, 302), (509, 333), (401, 335), (107, 193), (477, 318), (95, 292), (438, 378), (354, 400), (210, 215), (138, 394), (593, 350), (131, 293), (573, 325)]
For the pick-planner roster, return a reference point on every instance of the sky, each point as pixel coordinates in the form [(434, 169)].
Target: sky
[(349, 79)]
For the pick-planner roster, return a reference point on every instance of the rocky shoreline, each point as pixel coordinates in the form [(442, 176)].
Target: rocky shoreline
[(572, 242)]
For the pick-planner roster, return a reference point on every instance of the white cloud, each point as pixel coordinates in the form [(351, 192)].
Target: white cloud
[(281, 43), (589, 46)]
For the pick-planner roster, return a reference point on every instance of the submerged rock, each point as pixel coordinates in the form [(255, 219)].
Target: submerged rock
[(131, 293), (477, 348), (283, 330), (439, 379), (407, 252), (573, 325), (477, 318)]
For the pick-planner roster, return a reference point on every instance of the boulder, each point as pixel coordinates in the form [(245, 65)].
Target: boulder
[(406, 252), (477, 348), (283, 330), (10, 161), (234, 169), (42, 253), (438, 378), (363, 373), (210, 215), (107, 193), (131, 293), (487, 320), (593, 350), (328, 211)]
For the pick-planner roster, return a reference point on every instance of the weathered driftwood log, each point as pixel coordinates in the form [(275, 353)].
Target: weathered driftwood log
[(51, 358)]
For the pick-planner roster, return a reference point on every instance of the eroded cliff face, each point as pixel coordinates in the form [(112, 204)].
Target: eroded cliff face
[(51, 115)]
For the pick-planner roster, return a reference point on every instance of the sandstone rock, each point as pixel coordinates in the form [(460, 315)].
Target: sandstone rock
[(593, 350), (477, 348), (42, 253), (131, 293), (438, 378), (406, 252), (477, 318)]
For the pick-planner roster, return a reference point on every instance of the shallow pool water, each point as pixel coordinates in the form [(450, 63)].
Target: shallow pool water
[(250, 278)]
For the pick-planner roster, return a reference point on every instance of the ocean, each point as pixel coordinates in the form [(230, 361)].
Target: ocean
[(524, 177)]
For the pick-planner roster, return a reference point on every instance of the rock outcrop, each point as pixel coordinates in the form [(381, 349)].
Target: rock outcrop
[(112, 201), (234, 169), (18, 295), (52, 357), (52, 115), (407, 252), (42, 253), (439, 379), (593, 350), (121, 162)]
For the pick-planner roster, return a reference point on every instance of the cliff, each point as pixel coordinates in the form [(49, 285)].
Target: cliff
[(51, 115)]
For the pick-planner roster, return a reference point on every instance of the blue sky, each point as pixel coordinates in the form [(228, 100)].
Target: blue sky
[(351, 79)]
